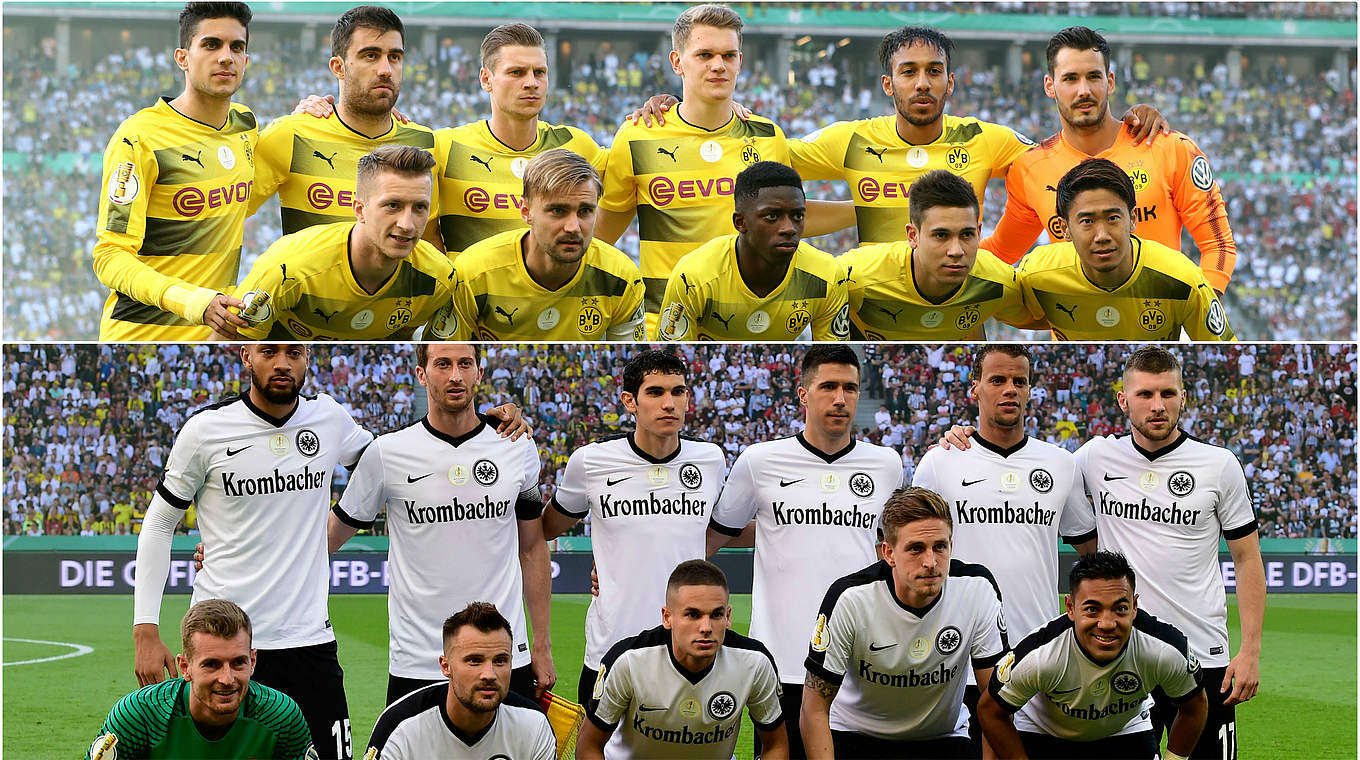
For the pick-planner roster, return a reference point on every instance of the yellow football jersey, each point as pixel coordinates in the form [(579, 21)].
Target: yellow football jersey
[(1166, 292), (680, 178), (707, 299), (481, 184), (886, 305), (312, 294), (496, 298), (313, 163), (880, 166), (171, 220)]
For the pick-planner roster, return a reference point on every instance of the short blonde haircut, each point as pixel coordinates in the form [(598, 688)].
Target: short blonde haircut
[(404, 160), (558, 171), (717, 16), (518, 34), (215, 617), (909, 505)]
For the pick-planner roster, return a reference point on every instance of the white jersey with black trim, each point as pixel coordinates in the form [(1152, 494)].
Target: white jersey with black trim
[(658, 709), (647, 515), (453, 510), (1165, 511), (817, 518), (261, 486), (1079, 699), (901, 669), (1009, 506), (417, 727)]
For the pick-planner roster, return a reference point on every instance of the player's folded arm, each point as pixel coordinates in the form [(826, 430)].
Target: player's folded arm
[(351, 521)]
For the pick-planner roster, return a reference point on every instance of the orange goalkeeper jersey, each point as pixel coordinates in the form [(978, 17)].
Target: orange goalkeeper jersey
[(1174, 184)]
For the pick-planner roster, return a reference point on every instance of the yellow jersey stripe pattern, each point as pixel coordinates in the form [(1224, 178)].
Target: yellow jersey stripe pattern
[(707, 299), (885, 303), (172, 214), (304, 289), (481, 183), (1165, 293), (497, 299)]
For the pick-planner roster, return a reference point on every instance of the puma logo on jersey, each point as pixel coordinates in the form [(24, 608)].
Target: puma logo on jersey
[(194, 158), (317, 311), (848, 278), (685, 281), (329, 160), (509, 316), (892, 314), (283, 268), (129, 142), (1071, 313), (875, 153), (726, 322), (670, 153), (486, 163), (1051, 188)]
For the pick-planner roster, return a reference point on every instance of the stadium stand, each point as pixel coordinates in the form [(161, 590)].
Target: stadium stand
[(1283, 146), (87, 427)]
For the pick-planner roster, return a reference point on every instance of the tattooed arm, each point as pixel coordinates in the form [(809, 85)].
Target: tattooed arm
[(815, 720)]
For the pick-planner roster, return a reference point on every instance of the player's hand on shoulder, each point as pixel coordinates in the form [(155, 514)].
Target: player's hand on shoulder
[(655, 108), (151, 659), (957, 437), (1146, 123), (320, 106), (198, 557), (594, 580), (220, 317), (513, 422)]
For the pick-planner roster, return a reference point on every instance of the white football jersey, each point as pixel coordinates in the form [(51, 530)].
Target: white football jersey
[(1009, 507), (261, 486), (1080, 700), (901, 669), (416, 727), (647, 515), (662, 710), (453, 510), (1165, 511), (817, 518)]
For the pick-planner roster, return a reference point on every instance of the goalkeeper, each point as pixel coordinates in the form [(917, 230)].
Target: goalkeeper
[(474, 714), (215, 710)]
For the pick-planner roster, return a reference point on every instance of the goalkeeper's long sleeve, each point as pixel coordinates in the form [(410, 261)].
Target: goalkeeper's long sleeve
[(153, 559)]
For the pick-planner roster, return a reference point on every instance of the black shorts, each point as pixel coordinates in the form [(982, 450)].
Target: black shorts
[(313, 678), (521, 683), (852, 744), (791, 704), (1139, 746), (1219, 740), (971, 694), (586, 685)]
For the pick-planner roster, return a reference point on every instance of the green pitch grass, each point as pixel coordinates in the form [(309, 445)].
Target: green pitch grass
[(53, 709)]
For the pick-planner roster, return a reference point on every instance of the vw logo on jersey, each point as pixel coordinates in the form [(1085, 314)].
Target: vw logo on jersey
[(758, 322), (517, 166), (932, 319), (1200, 173), (1126, 682), (1010, 482), (711, 151), (1181, 483), (548, 318), (1040, 480), (1148, 481), (308, 442), (1107, 316), (278, 443), (861, 485), (690, 477), (917, 157), (362, 320), (947, 640), (458, 474), (722, 705), (920, 647), (1216, 321), (1191, 662), (228, 159), (831, 482), (485, 472), (658, 475), (840, 324)]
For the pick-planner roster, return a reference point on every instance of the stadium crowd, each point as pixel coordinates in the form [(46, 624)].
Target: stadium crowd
[(87, 428), (1282, 146)]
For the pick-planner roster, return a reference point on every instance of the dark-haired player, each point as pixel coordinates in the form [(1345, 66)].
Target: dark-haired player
[(649, 494), (763, 283), (176, 183)]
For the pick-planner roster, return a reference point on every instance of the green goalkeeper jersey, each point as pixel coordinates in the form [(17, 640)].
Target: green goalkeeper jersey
[(154, 722)]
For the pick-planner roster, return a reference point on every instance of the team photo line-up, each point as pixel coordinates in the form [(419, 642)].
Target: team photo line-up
[(503, 229), (890, 616)]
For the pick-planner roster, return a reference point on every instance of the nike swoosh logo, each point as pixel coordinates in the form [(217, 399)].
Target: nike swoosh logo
[(645, 708), (609, 482), (1108, 477), (1065, 691), (233, 452), (973, 482), (410, 479), (876, 648), (787, 483)]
